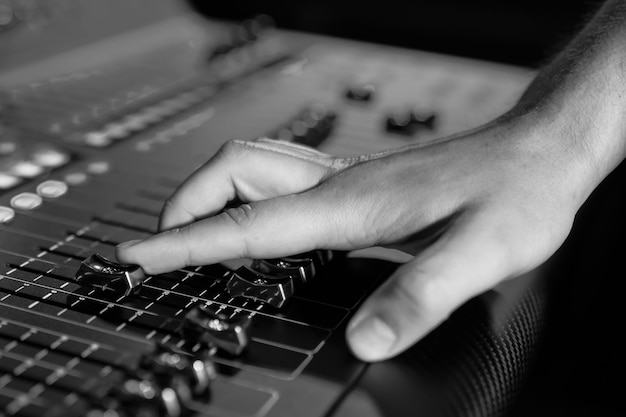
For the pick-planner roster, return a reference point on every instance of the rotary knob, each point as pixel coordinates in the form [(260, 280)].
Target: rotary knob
[(362, 92), (400, 122), (423, 118), (408, 122)]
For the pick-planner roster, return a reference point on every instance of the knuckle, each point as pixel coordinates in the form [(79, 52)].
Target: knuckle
[(402, 301), (514, 243), (181, 237), (231, 148), (242, 216), (150, 269), (169, 205), (427, 299), (174, 213), (433, 296)]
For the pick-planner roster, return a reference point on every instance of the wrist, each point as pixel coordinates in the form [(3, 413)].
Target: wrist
[(582, 109), (581, 94)]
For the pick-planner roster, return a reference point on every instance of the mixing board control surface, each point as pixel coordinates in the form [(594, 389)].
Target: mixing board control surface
[(94, 140)]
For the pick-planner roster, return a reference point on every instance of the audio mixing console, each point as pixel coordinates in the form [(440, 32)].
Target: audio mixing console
[(96, 136)]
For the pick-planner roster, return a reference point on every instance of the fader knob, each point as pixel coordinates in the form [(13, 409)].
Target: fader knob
[(98, 271), (304, 266), (142, 397), (189, 377), (203, 372), (228, 333), (268, 289), (303, 270)]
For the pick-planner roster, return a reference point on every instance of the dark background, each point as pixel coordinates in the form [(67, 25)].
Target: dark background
[(580, 367), (517, 32)]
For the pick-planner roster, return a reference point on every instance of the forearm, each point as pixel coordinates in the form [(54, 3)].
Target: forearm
[(582, 93)]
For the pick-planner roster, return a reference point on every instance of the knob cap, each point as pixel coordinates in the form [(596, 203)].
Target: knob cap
[(230, 334), (189, 377), (142, 397), (268, 289), (361, 92), (100, 272), (304, 266)]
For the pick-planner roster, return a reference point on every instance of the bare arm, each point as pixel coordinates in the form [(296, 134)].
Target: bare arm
[(583, 91), (504, 195)]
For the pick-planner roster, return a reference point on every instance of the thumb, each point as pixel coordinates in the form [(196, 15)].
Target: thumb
[(467, 260)]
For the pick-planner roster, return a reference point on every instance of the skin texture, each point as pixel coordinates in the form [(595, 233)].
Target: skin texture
[(474, 209)]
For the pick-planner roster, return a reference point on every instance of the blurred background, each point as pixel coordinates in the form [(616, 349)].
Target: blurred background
[(516, 32)]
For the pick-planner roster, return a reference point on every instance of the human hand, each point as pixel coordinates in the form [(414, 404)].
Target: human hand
[(475, 209)]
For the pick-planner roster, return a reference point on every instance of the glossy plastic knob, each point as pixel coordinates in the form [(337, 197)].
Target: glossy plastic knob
[(304, 266), (204, 324), (138, 396), (269, 289), (189, 376), (361, 92), (107, 275)]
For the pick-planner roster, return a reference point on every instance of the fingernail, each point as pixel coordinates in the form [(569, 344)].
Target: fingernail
[(128, 244), (371, 338)]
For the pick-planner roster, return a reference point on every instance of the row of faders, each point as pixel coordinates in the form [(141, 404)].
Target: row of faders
[(173, 380), (274, 281)]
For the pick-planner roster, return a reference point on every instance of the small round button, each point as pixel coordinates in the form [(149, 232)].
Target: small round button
[(116, 131), (6, 214), (97, 139), (361, 92), (52, 189), (98, 167), (50, 158), (135, 123), (75, 178), (423, 118), (26, 169), (8, 181), (26, 201)]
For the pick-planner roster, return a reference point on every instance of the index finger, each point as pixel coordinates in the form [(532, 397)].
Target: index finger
[(249, 171), (265, 229)]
